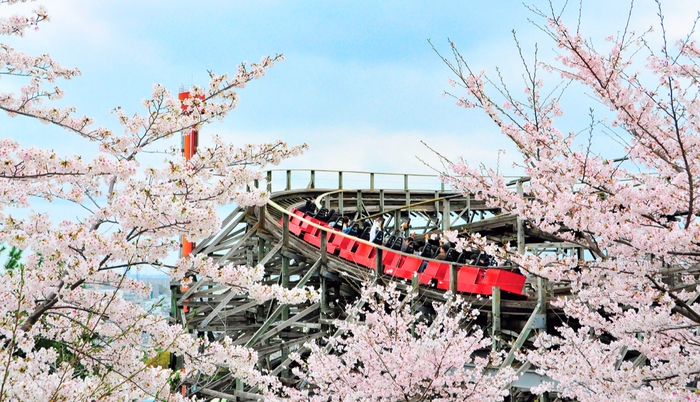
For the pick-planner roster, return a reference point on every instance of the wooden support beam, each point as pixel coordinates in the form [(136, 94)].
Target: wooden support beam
[(437, 209), (262, 211), (542, 300), (324, 248), (397, 223), (284, 269), (285, 232), (341, 196), (324, 302), (378, 265), (228, 240), (223, 303), (239, 387), (522, 337), (231, 216), (284, 282), (446, 214), (261, 249), (272, 317), (639, 361), (249, 256), (358, 202), (621, 358), (454, 269), (238, 244), (238, 309), (496, 317), (381, 200), (461, 213), (281, 326), (193, 288), (469, 208), (270, 348), (269, 181), (224, 232), (270, 254)]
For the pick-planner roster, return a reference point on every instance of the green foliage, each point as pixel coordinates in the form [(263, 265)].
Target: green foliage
[(162, 359), (13, 258)]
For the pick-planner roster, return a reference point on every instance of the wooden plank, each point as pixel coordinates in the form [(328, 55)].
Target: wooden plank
[(271, 254), (220, 236), (495, 317), (231, 294), (280, 327), (272, 317), (238, 309), (234, 248)]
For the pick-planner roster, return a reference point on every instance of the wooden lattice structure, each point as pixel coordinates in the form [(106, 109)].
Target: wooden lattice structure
[(261, 236)]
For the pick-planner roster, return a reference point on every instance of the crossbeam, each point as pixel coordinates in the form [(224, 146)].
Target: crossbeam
[(260, 332)]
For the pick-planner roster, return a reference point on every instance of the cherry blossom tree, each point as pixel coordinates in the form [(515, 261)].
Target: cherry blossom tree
[(60, 339), (387, 351), (632, 316)]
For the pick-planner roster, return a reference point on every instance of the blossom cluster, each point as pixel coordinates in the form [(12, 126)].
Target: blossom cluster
[(388, 351), (244, 280), (632, 313), (66, 331)]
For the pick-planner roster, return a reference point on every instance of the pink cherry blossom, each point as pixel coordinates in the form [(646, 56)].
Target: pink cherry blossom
[(61, 337), (388, 351), (630, 324)]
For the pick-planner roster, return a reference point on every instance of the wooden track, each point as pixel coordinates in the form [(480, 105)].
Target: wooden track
[(255, 236)]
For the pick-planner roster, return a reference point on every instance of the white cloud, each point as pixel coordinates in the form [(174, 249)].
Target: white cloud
[(352, 148)]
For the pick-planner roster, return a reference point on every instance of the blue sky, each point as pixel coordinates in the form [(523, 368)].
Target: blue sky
[(360, 83)]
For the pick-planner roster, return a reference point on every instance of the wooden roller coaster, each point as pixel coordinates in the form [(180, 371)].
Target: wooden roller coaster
[(262, 235)]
